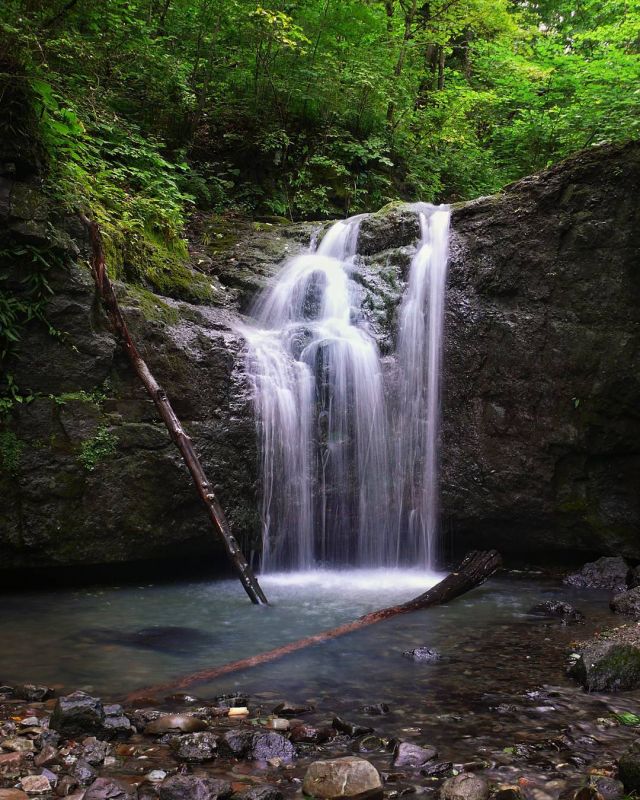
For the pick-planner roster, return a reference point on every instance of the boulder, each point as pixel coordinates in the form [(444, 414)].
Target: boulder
[(465, 786), (629, 768), (200, 746), (412, 755), (627, 603), (194, 787), (558, 610), (78, 714), (609, 662), (608, 572), (349, 777)]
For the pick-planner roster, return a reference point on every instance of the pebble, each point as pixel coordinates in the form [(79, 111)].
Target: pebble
[(36, 784)]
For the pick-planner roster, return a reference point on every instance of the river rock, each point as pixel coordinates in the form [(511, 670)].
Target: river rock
[(200, 746), (94, 751), (236, 742), (269, 745), (172, 723), (32, 693), (423, 655), (627, 603), (116, 724), (465, 786), (350, 728), (10, 764), (77, 714), (559, 610), (194, 787), (376, 709), (17, 744), (66, 785), (608, 788), (412, 755), (287, 709), (309, 734), (436, 769), (629, 767), (36, 784), (609, 662), (109, 789), (265, 792), (83, 771), (608, 572), (349, 777)]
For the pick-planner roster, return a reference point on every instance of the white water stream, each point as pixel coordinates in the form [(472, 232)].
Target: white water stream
[(348, 469)]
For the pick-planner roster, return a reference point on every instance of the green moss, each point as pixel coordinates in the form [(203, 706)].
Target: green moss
[(219, 233), (95, 398), (152, 307), (96, 449), (10, 449)]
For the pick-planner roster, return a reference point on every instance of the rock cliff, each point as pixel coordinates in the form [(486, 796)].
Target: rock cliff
[(541, 409)]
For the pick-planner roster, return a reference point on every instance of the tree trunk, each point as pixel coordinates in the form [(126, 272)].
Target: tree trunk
[(475, 568), (181, 439)]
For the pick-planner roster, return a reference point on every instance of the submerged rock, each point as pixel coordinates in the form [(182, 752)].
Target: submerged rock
[(200, 746), (465, 786), (349, 777), (350, 728), (287, 709), (608, 572), (627, 603), (423, 655), (610, 662), (194, 787), (168, 723), (559, 610), (412, 755)]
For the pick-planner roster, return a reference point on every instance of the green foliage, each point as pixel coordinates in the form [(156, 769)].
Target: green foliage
[(310, 109), (10, 449), (94, 450), (627, 718)]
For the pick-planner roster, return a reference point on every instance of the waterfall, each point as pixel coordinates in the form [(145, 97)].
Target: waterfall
[(344, 480)]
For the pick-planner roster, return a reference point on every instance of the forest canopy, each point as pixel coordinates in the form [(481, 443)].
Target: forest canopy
[(314, 108)]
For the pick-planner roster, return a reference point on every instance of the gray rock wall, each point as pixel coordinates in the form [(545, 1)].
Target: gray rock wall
[(541, 436)]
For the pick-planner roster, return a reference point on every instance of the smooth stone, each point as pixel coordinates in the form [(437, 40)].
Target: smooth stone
[(194, 787), (287, 709), (109, 789), (200, 746), (349, 777), (36, 784), (175, 722), (559, 610), (465, 786), (412, 755), (156, 775), (423, 655), (278, 724), (238, 711)]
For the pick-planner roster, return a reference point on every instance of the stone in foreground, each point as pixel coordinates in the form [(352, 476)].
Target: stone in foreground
[(610, 662), (466, 786), (348, 777)]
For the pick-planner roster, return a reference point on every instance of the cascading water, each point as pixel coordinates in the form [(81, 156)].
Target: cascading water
[(334, 489)]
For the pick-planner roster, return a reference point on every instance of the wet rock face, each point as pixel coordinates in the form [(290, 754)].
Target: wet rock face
[(541, 437), (540, 440)]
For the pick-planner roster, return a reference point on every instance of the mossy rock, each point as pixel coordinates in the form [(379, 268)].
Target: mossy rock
[(611, 662)]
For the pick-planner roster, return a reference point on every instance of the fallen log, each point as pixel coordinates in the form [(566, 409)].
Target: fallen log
[(176, 431), (474, 570)]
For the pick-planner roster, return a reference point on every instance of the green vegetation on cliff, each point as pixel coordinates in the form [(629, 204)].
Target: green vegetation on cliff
[(304, 109)]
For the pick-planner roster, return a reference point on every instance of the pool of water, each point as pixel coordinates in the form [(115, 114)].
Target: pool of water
[(501, 680)]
